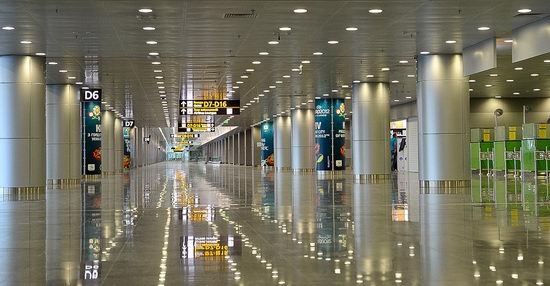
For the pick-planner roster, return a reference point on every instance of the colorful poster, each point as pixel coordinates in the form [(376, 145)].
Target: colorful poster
[(267, 144), (127, 160), (91, 119), (339, 133), (323, 136)]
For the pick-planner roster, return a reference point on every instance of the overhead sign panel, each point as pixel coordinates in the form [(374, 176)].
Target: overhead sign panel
[(196, 127), (210, 107), (90, 95)]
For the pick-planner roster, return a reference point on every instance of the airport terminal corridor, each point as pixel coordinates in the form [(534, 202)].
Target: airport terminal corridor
[(183, 223)]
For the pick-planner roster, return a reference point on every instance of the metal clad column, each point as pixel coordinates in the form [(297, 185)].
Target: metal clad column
[(370, 130), (63, 142), (282, 134), (443, 116), (107, 142), (118, 145), (303, 140), (22, 122)]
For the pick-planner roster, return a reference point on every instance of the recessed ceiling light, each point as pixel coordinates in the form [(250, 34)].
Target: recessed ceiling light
[(295, 70), (78, 82), (332, 42), (71, 77), (488, 85), (40, 54), (160, 82), (267, 90), (285, 29), (8, 28), (516, 93), (244, 76), (450, 41), (300, 11), (26, 42), (236, 87), (153, 54), (273, 42), (518, 68), (149, 28), (145, 10), (351, 29), (155, 63), (261, 95), (356, 81), (334, 90), (408, 97), (256, 62), (498, 96), (483, 28), (493, 75), (396, 100), (52, 63), (159, 77), (403, 62), (325, 94), (306, 62), (272, 86), (317, 97), (424, 53), (161, 87), (534, 74), (536, 89), (249, 70), (524, 10), (347, 97), (263, 53), (279, 81), (385, 69), (508, 41), (151, 42), (410, 75), (162, 91), (375, 11), (394, 81), (345, 86), (318, 54), (63, 71), (157, 71), (286, 76), (370, 75), (239, 82), (509, 80), (471, 89), (85, 87)]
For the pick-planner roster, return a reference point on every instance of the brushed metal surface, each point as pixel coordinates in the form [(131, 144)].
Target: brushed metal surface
[(303, 139), (118, 145), (282, 137), (480, 57), (22, 122), (107, 142), (370, 128), (443, 116), (531, 40), (63, 129)]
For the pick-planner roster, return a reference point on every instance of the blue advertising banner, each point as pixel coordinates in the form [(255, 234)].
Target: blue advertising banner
[(267, 144), (339, 133), (91, 120), (323, 135)]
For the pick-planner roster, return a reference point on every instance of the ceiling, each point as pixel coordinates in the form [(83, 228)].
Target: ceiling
[(103, 44)]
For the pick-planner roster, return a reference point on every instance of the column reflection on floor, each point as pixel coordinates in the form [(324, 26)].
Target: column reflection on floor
[(202, 224)]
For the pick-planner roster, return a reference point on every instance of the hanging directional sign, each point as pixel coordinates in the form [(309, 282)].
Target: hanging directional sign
[(210, 107), (196, 127), (186, 135)]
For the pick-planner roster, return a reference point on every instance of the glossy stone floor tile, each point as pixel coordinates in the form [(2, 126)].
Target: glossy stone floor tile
[(194, 224)]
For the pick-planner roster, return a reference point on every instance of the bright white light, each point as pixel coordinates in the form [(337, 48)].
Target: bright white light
[(273, 42), (149, 28), (285, 29), (145, 10), (332, 42), (351, 29), (524, 10), (151, 42), (483, 28), (375, 11), (8, 28), (450, 41), (318, 54), (300, 11), (263, 53)]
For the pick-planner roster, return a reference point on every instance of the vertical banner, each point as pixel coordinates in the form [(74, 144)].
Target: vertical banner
[(91, 131), (323, 138), (339, 133), (267, 144), (126, 130)]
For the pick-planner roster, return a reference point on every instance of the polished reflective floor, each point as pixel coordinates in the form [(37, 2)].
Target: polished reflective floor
[(194, 224)]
